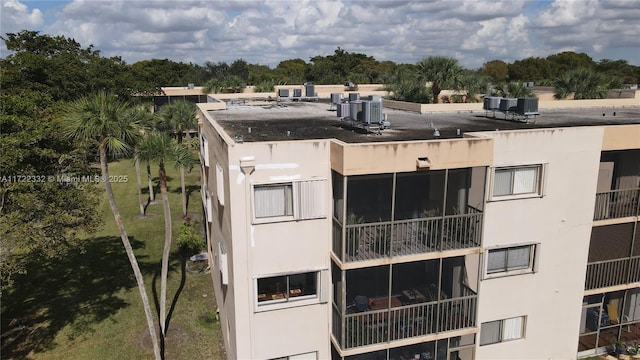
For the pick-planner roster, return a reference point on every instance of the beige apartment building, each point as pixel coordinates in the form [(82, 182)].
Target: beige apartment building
[(446, 235)]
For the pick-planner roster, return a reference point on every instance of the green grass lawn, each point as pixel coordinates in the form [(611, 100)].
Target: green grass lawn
[(87, 305)]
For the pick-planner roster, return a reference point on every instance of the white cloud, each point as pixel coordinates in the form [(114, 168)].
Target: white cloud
[(15, 16), (267, 32)]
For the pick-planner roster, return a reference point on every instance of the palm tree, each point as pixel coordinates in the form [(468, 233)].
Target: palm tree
[(401, 85), (160, 148), (145, 117), (180, 117), (103, 119), (442, 72), (514, 90), (583, 83)]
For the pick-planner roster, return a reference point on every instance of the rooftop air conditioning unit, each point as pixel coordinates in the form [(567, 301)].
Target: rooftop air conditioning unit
[(491, 103), (309, 90), (508, 104), (283, 92), (343, 110), (365, 114), (376, 112), (336, 98), (355, 108), (354, 96), (527, 106), (191, 85), (297, 92)]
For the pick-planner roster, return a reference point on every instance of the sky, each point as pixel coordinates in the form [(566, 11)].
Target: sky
[(267, 32)]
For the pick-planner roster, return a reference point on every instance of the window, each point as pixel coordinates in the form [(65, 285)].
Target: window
[(296, 200), (220, 184), (511, 261), (204, 149), (517, 181), (273, 200), (502, 330), (287, 288)]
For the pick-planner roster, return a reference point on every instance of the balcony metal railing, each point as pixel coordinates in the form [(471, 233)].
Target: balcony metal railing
[(374, 327), (616, 204), (405, 237), (607, 273)]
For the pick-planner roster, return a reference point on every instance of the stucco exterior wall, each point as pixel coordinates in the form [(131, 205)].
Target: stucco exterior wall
[(265, 249), (378, 158), (560, 223)]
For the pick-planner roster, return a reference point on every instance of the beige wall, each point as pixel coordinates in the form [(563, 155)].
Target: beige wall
[(377, 158), (273, 248), (560, 222), (621, 137)]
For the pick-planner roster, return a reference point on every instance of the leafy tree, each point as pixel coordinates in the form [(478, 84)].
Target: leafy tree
[(58, 67), (442, 72), (260, 74), (530, 69), (583, 83), (189, 241), (159, 148), (621, 69), (102, 120), (568, 60), (291, 71), (240, 68), (228, 84), (497, 70), (41, 214)]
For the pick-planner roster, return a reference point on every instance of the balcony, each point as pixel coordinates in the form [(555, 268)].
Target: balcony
[(407, 321), (393, 302), (407, 237), (602, 274), (617, 204)]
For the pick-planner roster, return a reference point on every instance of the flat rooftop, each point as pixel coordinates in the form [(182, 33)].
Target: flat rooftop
[(271, 121)]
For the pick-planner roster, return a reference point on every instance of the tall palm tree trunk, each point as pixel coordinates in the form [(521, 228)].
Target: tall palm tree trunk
[(129, 250), (167, 249), (152, 196), (184, 193), (139, 187)]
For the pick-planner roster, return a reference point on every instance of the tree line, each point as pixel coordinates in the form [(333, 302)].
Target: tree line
[(58, 53), (64, 111)]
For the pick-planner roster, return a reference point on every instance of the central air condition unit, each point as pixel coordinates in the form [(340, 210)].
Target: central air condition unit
[(297, 92), (336, 98), (508, 104), (354, 109), (376, 112), (283, 92), (365, 114), (527, 106), (354, 96), (309, 90), (343, 110), (491, 103)]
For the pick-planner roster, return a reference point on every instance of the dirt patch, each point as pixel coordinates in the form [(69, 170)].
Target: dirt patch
[(146, 216), (176, 337)]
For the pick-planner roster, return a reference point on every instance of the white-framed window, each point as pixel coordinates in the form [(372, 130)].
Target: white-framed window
[(295, 200), (514, 182), (284, 288), (204, 149), (220, 184), (494, 332), (513, 260)]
